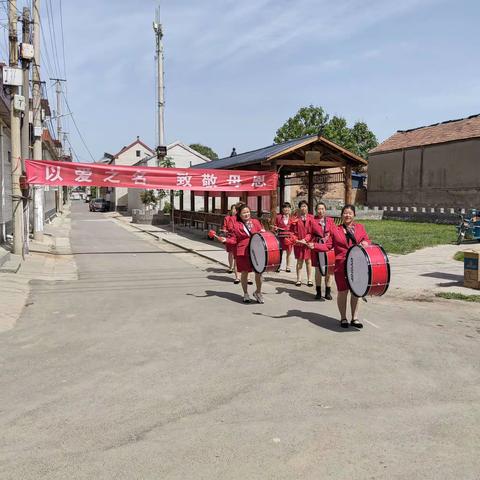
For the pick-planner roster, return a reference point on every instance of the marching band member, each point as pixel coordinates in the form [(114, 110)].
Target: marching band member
[(302, 228), (342, 238), (322, 228), (243, 229), (227, 229), (283, 225)]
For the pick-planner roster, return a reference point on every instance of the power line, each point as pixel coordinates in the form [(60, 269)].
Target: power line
[(76, 127)]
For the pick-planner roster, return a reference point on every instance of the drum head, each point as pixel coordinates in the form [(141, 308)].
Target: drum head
[(357, 269), (258, 253)]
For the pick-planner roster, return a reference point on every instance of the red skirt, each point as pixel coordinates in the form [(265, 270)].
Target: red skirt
[(244, 264), (302, 253), (230, 248), (340, 278), (283, 246)]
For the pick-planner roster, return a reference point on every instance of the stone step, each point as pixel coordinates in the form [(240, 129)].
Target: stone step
[(12, 265), (4, 256)]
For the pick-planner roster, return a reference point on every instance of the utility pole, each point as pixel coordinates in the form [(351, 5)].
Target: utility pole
[(157, 28), (58, 115), (17, 210), (26, 114), (37, 123)]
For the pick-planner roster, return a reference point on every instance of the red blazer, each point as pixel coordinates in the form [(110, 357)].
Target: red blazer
[(241, 237), (319, 231), (303, 230), (341, 244), (229, 222), (280, 224)]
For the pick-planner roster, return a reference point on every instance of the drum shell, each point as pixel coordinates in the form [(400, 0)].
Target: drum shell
[(378, 267), (273, 254), (329, 262)]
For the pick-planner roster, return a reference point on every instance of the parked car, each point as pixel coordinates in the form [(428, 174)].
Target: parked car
[(99, 205)]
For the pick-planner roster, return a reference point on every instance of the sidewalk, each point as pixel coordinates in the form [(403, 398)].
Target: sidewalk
[(416, 276), (49, 260)]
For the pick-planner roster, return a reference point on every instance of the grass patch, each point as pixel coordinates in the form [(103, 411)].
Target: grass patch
[(459, 256), (406, 237), (458, 296)]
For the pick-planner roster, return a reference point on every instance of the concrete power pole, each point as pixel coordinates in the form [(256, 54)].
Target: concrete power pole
[(26, 115), (58, 115), (157, 28), (17, 203), (37, 123)]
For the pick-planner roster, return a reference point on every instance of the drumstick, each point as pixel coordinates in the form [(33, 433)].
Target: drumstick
[(212, 234)]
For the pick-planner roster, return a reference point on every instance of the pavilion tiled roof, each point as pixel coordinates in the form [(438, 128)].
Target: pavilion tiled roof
[(449, 131)]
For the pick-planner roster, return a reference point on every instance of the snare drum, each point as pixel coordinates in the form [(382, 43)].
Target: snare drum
[(265, 252), (367, 270), (326, 262)]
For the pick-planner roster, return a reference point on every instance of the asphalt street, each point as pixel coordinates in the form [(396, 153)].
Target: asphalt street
[(150, 367)]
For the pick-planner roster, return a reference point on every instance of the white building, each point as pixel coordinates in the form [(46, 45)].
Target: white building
[(130, 155), (183, 157)]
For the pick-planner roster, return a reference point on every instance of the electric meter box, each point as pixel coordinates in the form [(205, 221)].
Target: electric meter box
[(26, 51)]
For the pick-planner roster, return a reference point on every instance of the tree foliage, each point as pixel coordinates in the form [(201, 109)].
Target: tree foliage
[(148, 197), (204, 150), (311, 120)]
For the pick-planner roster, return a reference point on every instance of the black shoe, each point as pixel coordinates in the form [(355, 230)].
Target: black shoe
[(287, 270), (356, 323), (250, 282), (298, 284), (328, 295), (318, 296), (229, 271), (344, 323), (309, 284), (236, 281)]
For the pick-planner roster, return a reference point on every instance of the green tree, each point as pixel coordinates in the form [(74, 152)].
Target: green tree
[(311, 120), (165, 162), (148, 197), (307, 121), (204, 150)]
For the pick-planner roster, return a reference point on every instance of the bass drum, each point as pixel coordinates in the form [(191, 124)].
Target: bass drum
[(265, 252), (326, 262), (367, 270)]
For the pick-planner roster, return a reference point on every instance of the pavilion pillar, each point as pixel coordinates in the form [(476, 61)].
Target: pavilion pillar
[(205, 208), (205, 202), (310, 190), (259, 207), (224, 203), (244, 198), (192, 208), (273, 199), (348, 184), (213, 204), (282, 188), (181, 200)]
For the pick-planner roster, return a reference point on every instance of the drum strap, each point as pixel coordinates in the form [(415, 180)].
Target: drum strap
[(349, 235)]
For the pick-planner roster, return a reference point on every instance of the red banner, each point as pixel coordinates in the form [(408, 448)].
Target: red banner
[(92, 174)]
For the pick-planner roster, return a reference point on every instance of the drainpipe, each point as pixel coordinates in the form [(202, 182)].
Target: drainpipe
[(3, 235)]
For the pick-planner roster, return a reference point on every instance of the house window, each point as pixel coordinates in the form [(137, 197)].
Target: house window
[(138, 153)]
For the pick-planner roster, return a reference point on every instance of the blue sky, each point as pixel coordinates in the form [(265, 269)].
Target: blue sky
[(236, 70)]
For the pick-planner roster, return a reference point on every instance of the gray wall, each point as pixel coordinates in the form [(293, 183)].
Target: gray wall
[(437, 175)]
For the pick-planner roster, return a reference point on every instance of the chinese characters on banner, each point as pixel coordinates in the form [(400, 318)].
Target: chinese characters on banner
[(74, 174)]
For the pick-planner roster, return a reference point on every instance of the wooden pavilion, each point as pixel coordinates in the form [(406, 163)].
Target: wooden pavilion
[(312, 157)]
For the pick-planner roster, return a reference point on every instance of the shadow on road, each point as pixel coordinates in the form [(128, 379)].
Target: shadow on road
[(323, 321), (456, 280), (298, 294), (219, 278), (233, 297)]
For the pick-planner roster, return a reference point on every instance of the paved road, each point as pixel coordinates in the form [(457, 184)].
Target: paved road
[(148, 367)]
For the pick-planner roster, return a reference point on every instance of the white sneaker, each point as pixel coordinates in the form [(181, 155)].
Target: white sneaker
[(258, 297), (246, 298)]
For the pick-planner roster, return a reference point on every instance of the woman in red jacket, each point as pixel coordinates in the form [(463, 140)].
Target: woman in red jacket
[(302, 228), (227, 229), (342, 238), (244, 228), (283, 225), (322, 229)]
